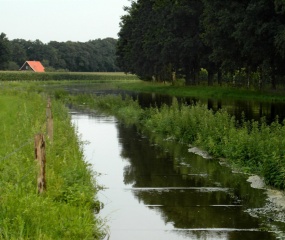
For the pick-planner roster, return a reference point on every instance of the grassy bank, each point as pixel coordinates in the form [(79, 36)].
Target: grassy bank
[(254, 147), (204, 91), (66, 209), (119, 80)]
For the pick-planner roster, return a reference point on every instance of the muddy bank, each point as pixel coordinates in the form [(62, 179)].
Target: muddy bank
[(199, 152), (274, 210)]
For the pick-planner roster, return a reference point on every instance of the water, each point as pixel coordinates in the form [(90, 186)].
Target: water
[(249, 109), (161, 191)]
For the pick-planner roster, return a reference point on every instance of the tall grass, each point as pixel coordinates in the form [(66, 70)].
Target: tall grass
[(67, 209), (253, 146)]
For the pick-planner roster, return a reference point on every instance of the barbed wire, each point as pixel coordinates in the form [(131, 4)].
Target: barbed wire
[(42, 128), (30, 170), (16, 150)]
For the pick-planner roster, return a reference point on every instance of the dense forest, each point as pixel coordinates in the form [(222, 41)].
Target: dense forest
[(238, 41), (92, 56)]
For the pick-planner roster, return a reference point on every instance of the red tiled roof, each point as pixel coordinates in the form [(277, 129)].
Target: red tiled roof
[(36, 66)]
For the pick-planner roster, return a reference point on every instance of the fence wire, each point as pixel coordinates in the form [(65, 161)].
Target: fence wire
[(16, 150)]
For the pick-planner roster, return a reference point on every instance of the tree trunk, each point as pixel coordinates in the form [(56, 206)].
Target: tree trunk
[(210, 78), (248, 77), (273, 75), (187, 74), (192, 77), (196, 76), (260, 81), (220, 77), (273, 80), (173, 77)]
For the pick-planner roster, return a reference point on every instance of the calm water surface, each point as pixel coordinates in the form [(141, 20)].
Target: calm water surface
[(161, 191)]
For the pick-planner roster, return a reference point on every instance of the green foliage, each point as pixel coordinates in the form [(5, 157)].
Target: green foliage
[(96, 55), (185, 36), (4, 51), (66, 210), (167, 41)]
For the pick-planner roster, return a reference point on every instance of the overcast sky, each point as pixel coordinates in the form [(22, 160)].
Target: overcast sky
[(61, 20)]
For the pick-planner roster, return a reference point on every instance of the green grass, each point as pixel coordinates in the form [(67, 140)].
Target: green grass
[(67, 209)]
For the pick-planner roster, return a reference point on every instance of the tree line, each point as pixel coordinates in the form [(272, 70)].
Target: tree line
[(92, 56), (240, 41)]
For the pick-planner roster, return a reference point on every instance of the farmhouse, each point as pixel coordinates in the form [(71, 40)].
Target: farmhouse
[(35, 66)]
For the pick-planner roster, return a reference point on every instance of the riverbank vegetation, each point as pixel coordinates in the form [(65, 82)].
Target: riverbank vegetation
[(253, 146), (66, 210)]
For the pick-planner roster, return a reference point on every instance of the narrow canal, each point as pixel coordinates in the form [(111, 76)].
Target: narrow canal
[(163, 191)]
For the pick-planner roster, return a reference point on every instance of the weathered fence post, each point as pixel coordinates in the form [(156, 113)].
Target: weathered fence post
[(40, 156), (49, 120)]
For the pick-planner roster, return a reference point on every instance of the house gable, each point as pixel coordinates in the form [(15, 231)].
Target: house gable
[(35, 66)]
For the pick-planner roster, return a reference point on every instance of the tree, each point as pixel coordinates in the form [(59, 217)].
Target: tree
[(219, 21), (18, 51), (280, 35), (157, 37), (4, 51), (257, 35)]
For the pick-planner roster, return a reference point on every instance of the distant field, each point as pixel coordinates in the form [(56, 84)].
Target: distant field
[(47, 76)]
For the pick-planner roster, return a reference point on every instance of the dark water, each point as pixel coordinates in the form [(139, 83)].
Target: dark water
[(249, 109), (158, 190)]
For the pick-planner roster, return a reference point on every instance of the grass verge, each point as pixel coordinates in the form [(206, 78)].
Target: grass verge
[(67, 209)]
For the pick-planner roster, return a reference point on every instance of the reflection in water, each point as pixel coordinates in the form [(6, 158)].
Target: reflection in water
[(153, 193), (250, 109), (238, 108)]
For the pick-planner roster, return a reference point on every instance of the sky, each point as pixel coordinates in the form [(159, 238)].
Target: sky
[(61, 20)]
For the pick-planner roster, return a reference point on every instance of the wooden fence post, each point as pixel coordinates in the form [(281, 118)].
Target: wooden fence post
[(40, 156), (49, 120)]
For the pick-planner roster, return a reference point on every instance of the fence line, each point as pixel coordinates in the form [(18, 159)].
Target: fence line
[(17, 150), (40, 157)]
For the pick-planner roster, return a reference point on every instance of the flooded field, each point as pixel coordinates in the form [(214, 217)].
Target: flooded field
[(160, 190)]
